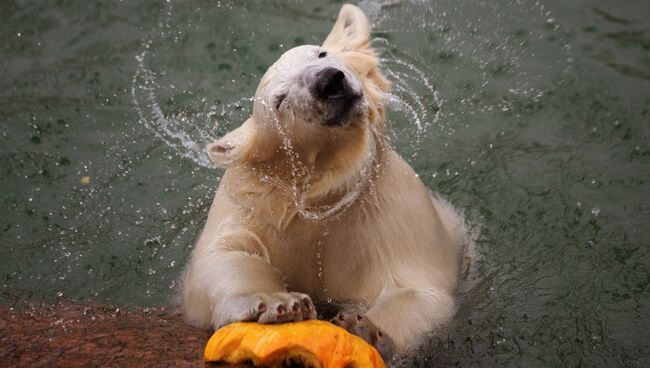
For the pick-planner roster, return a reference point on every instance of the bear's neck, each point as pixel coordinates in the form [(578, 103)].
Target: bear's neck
[(322, 172)]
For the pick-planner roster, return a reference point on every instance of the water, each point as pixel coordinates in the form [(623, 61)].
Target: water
[(531, 116)]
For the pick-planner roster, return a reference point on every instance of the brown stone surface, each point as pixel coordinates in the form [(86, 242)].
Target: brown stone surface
[(95, 335)]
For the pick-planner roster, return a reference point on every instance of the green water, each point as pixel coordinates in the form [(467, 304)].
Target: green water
[(533, 118)]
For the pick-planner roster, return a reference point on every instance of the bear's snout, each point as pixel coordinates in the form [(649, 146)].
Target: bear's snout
[(330, 84), (337, 95)]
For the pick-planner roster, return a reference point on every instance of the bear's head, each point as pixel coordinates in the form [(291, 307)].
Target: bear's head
[(325, 103)]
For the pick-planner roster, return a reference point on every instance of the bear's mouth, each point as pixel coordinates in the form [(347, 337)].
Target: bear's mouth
[(341, 109)]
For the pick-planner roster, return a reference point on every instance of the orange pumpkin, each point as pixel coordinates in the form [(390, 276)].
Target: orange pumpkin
[(313, 343)]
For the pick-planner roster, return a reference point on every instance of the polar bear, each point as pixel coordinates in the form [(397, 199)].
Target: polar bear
[(314, 205)]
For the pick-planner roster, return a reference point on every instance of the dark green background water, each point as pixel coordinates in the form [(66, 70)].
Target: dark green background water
[(534, 119)]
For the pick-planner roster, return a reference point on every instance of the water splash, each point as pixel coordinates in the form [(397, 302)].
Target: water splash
[(168, 129), (186, 132), (412, 94), (456, 36), (482, 58)]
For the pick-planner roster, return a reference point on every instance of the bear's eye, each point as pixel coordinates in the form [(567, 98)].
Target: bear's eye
[(279, 100), (322, 54)]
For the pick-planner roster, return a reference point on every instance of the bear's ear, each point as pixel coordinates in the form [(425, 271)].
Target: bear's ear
[(351, 32), (233, 147)]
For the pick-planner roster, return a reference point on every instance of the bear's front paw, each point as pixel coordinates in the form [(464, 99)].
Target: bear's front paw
[(271, 308), (363, 327)]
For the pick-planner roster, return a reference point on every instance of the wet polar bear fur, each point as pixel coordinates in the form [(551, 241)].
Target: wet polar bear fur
[(315, 142)]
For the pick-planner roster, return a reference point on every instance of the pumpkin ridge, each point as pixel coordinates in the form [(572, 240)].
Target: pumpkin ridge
[(317, 344)]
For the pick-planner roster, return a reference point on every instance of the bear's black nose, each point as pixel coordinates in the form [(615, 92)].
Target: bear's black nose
[(330, 84)]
